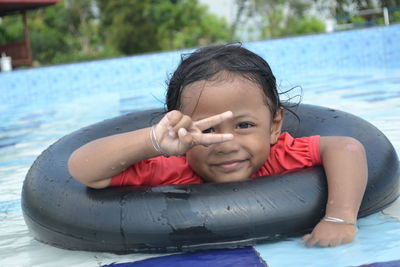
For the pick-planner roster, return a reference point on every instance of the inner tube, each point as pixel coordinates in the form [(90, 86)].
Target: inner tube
[(61, 212)]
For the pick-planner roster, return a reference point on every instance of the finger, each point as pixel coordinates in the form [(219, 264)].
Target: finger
[(164, 125), (311, 241), (185, 138), (324, 242), (306, 237), (185, 122), (209, 139), (171, 132), (213, 120), (170, 119), (335, 242)]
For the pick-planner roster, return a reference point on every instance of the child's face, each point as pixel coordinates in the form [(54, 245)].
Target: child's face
[(252, 125)]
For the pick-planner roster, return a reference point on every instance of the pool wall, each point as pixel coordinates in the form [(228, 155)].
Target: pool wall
[(290, 58)]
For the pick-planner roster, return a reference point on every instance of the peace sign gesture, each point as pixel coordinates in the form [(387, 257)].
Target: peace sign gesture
[(176, 133)]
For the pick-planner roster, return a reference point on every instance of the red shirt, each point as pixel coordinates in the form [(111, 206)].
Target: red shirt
[(287, 154)]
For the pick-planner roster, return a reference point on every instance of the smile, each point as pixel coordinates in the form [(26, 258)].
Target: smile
[(230, 165)]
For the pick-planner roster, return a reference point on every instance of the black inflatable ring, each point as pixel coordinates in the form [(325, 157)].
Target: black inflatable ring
[(62, 212)]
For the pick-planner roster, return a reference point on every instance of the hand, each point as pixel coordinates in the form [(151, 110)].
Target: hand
[(330, 234), (176, 133)]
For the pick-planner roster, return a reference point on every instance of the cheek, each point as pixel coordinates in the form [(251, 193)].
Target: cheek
[(196, 156), (260, 148), (262, 153), (266, 152)]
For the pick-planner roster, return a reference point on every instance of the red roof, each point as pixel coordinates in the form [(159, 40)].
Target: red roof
[(11, 6)]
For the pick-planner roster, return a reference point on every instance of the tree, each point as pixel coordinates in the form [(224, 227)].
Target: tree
[(78, 19), (11, 29), (305, 25), (48, 34), (66, 32), (188, 24), (152, 25), (128, 26), (282, 17), (241, 8)]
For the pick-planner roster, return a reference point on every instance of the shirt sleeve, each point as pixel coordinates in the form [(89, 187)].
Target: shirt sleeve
[(291, 153), (157, 171)]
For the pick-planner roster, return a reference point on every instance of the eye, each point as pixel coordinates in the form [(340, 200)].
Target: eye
[(209, 130), (244, 125)]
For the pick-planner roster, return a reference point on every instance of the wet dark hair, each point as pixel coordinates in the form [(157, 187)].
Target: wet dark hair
[(206, 62)]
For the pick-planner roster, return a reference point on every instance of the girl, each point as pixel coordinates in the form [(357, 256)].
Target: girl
[(224, 124)]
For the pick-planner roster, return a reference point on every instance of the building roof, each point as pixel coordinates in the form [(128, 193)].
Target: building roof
[(12, 6)]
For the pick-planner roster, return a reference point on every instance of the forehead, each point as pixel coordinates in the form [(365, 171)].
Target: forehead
[(225, 92)]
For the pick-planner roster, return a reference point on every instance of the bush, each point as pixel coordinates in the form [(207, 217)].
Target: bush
[(306, 25)]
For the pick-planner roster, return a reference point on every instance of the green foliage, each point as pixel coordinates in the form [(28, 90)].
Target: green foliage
[(11, 29), (60, 58), (77, 30), (48, 43), (306, 25), (153, 25), (395, 17), (191, 26), (285, 18), (273, 24), (357, 20), (47, 39), (66, 32)]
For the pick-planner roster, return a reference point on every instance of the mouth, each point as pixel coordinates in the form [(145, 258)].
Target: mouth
[(229, 166)]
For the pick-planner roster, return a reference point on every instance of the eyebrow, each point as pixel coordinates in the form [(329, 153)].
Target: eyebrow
[(245, 115), (241, 116)]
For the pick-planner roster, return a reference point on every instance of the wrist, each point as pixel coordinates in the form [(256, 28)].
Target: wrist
[(343, 211), (154, 141), (338, 220)]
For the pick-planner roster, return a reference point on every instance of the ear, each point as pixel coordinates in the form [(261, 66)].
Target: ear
[(276, 126)]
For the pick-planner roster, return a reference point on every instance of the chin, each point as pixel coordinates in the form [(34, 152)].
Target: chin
[(227, 179)]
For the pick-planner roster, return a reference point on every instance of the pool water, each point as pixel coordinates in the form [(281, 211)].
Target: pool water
[(346, 71)]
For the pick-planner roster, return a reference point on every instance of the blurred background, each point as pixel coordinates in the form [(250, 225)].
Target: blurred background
[(352, 63), (81, 30)]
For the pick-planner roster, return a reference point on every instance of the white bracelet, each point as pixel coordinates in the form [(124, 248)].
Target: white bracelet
[(337, 220), (154, 142)]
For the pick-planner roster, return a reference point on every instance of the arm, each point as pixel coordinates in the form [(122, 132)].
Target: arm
[(345, 165), (94, 164)]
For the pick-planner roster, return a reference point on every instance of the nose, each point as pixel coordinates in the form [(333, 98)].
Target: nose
[(227, 147)]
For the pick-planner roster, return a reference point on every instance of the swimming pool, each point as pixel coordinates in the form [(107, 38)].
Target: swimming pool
[(355, 71)]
